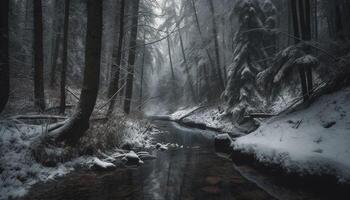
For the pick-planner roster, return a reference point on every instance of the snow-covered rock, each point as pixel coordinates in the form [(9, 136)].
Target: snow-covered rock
[(132, 158), (98, 164), (161, 147), (312, 141)]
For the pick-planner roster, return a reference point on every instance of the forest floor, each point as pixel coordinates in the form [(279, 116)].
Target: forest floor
[(312, 141)]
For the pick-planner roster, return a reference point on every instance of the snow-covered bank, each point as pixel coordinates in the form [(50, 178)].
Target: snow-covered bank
[(311, 141), (19, 170), (212, 117)]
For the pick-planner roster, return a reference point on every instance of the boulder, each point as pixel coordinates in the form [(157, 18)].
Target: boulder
[(132, 158)]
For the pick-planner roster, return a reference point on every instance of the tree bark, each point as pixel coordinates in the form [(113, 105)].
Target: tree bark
[(132, 56), (142, 70), (216, 44), (170, 57), (78, 123), (301, 14), (65, 57), (39, 98), (202, 40), (114, 84), (54, 60), (54, 46), (189, 78), (4, 54)]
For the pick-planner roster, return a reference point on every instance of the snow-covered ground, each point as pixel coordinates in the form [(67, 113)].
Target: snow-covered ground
[(182, 112), (212, 117), (311, 141), (18, 169)]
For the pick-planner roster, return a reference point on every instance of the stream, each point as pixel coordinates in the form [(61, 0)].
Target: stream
[(195, 171)]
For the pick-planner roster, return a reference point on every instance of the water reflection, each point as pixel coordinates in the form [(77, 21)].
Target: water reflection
[(191, 172)]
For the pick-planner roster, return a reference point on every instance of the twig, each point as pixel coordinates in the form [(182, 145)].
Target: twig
[(72, 93), (110, 99)]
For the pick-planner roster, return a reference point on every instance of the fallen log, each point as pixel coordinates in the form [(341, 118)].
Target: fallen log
[(37, 117)]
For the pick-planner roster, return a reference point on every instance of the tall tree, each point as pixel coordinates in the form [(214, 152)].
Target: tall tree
[(301, 17), (216, 44), (187, 69), (142, 70), (39, 98), (78, 123), (132, 56), (4, 54), (65, 57), (114, 84), (56, 41), (170, 57)]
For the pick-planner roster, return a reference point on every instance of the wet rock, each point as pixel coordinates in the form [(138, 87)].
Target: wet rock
[(223, 143)]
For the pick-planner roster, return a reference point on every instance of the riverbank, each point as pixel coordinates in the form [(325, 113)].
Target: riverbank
[(310, 142), (19, 170)]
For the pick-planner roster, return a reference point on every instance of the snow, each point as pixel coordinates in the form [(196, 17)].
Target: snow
[(213, 117), (102, 164), (182, 112), (136, 135), (132, 158), (311, 141), (18, 168)]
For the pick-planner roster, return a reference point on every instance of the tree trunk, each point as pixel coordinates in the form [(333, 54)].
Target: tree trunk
[(39, 99), (65, 57), (4, 54), (170, 58), (189, 78), (297, 34), (306, 35), (78, 123), (54, 60), (114, 84), (301, 14), (142, 71), (216, 44), (202, 39), (132, 56)]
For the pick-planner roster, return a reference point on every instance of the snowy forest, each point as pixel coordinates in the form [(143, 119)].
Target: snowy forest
[(175, 99)]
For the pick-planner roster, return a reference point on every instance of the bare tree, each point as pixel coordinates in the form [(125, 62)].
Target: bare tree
[(39, 98), (78, 123), (4, 54)]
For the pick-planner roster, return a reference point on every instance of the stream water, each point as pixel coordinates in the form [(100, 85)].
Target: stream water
[(192, 172)]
